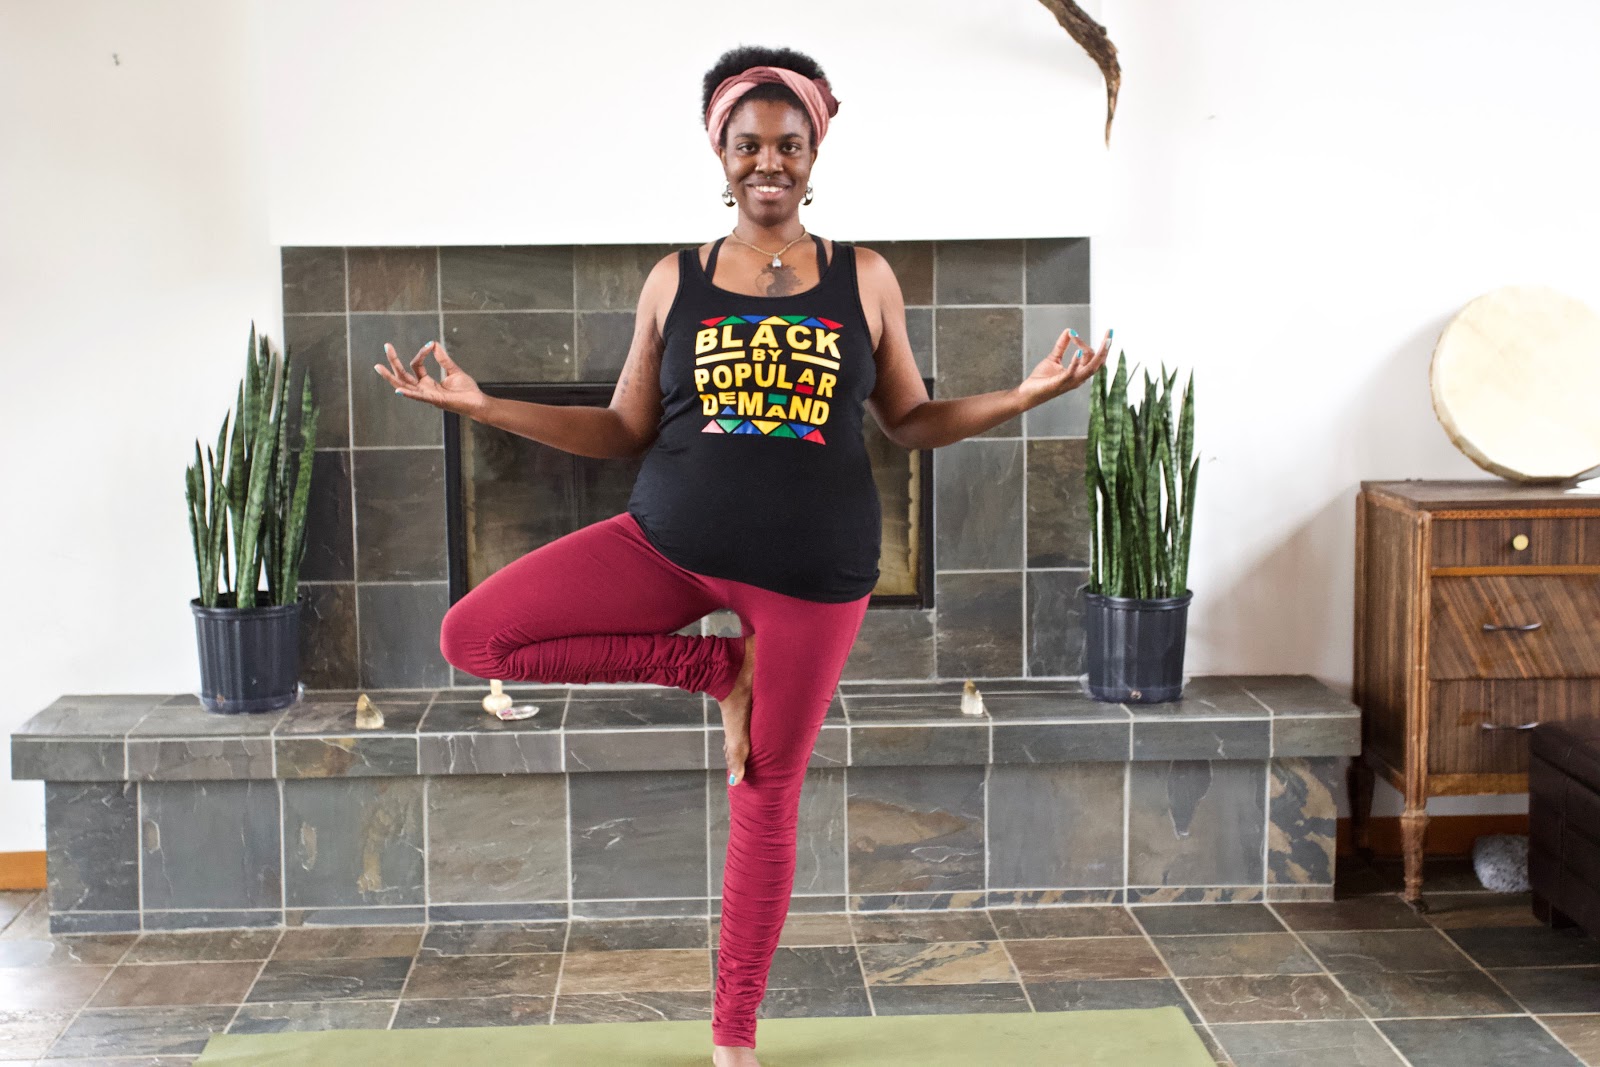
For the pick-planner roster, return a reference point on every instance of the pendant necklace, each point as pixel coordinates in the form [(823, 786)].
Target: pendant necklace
[(763, 251)]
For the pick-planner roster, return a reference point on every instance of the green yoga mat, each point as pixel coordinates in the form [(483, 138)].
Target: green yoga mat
[(1135, 1037)]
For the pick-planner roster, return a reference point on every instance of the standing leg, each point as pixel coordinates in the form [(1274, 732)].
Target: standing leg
[(801, 650), (599, 604)]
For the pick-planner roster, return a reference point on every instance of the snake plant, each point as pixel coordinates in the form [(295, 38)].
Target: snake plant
[(1139, 473), (256, 485)]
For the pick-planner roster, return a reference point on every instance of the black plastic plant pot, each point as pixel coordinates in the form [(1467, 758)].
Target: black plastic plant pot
[(249, 657), (1134, 648)]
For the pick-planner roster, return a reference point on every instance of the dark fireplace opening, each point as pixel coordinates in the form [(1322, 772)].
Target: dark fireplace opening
[(507, 495)]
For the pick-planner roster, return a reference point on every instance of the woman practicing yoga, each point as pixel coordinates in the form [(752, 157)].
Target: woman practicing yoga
[(779, 335)]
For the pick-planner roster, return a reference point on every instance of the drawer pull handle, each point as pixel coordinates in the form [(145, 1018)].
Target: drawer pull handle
[(1491, 626), (1507, 726), (1519, 542)]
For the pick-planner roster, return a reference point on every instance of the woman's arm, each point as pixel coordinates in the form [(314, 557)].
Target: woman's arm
[(625, 429), (900, 401)]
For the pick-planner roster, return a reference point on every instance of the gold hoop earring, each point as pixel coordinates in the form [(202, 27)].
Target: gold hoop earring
[(807, 199), (727, 195)]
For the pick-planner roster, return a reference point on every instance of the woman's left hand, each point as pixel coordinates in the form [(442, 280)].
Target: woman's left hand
[(1052, 377)]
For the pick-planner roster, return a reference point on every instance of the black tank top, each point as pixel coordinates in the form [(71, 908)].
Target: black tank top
[(759, 472)]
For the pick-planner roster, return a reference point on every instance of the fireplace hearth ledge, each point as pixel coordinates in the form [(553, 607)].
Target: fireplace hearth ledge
[(1224, 795)]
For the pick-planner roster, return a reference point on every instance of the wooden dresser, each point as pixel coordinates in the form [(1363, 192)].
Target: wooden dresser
[(1477, 615)]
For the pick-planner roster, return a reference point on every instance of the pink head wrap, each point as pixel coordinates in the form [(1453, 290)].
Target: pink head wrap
[(814, 93)]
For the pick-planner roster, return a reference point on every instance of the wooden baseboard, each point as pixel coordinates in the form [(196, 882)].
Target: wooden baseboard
[(21, 870), (1447, 835)]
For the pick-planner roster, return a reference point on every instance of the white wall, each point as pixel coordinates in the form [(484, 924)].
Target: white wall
[(1302, 196), (1295, 201), (509, 122), (133, 256)]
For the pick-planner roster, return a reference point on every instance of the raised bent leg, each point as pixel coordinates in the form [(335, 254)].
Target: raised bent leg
[(599, 604), (801, 651)]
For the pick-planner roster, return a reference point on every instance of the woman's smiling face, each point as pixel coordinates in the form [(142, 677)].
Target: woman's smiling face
[(768, 143)]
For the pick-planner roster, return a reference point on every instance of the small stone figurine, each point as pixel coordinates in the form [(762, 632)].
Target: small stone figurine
[(971, 699), (498, 703), (368, 717), (498, 699)]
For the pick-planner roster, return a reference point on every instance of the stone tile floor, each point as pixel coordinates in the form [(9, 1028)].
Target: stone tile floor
[(1357, 982)]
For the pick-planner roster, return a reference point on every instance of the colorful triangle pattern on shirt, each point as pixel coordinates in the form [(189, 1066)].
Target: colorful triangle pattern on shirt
[(774, 320), (766, 427)]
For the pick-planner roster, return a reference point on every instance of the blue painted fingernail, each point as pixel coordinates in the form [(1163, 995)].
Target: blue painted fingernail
[(730, 779), (1110, 334), (1073, 333), (397, 390)]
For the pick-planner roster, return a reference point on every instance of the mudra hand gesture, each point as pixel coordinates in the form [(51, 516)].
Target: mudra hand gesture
[(1051, 377), (456, 392)]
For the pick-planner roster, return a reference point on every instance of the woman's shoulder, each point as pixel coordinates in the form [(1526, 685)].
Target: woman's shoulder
[(867, 258), (659, 294), (874, 274)]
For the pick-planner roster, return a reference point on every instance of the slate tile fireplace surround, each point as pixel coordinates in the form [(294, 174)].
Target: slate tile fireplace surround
[(1009, 538)]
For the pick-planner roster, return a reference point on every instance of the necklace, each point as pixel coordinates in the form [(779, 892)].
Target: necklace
[(763, 251)]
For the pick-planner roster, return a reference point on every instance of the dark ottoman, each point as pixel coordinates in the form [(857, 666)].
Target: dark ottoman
[(1564, 823)]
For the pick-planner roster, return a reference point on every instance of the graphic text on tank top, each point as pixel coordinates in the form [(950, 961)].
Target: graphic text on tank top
[(772, 375)]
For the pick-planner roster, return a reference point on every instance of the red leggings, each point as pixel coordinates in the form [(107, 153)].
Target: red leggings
[(600, 605)]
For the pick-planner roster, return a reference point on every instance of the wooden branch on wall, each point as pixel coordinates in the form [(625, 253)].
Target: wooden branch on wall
[(1091, 36)]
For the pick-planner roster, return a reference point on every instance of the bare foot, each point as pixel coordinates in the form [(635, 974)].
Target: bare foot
[(736, 733), (733, 1056)]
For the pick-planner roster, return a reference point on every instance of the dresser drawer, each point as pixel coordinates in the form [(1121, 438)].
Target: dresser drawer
[(1514, 626), (1482, 727), (1550, 542)]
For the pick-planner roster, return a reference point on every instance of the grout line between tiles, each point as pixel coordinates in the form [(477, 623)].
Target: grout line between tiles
[(71, 1022), (1027, 995), (283, 850), (1271, 907), (1501, 986), (355, 516), (1198, 1014), (138, 832), (561, 967), (1127, 803), (1266, 818), (855, 944)]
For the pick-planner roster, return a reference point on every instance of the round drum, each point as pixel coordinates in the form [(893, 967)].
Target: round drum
[(1516, 383)]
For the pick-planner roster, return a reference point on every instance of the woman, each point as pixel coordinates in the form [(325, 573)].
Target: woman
[(752, 360)]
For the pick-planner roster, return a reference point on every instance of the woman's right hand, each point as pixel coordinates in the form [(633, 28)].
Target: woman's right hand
[(456, 392)]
